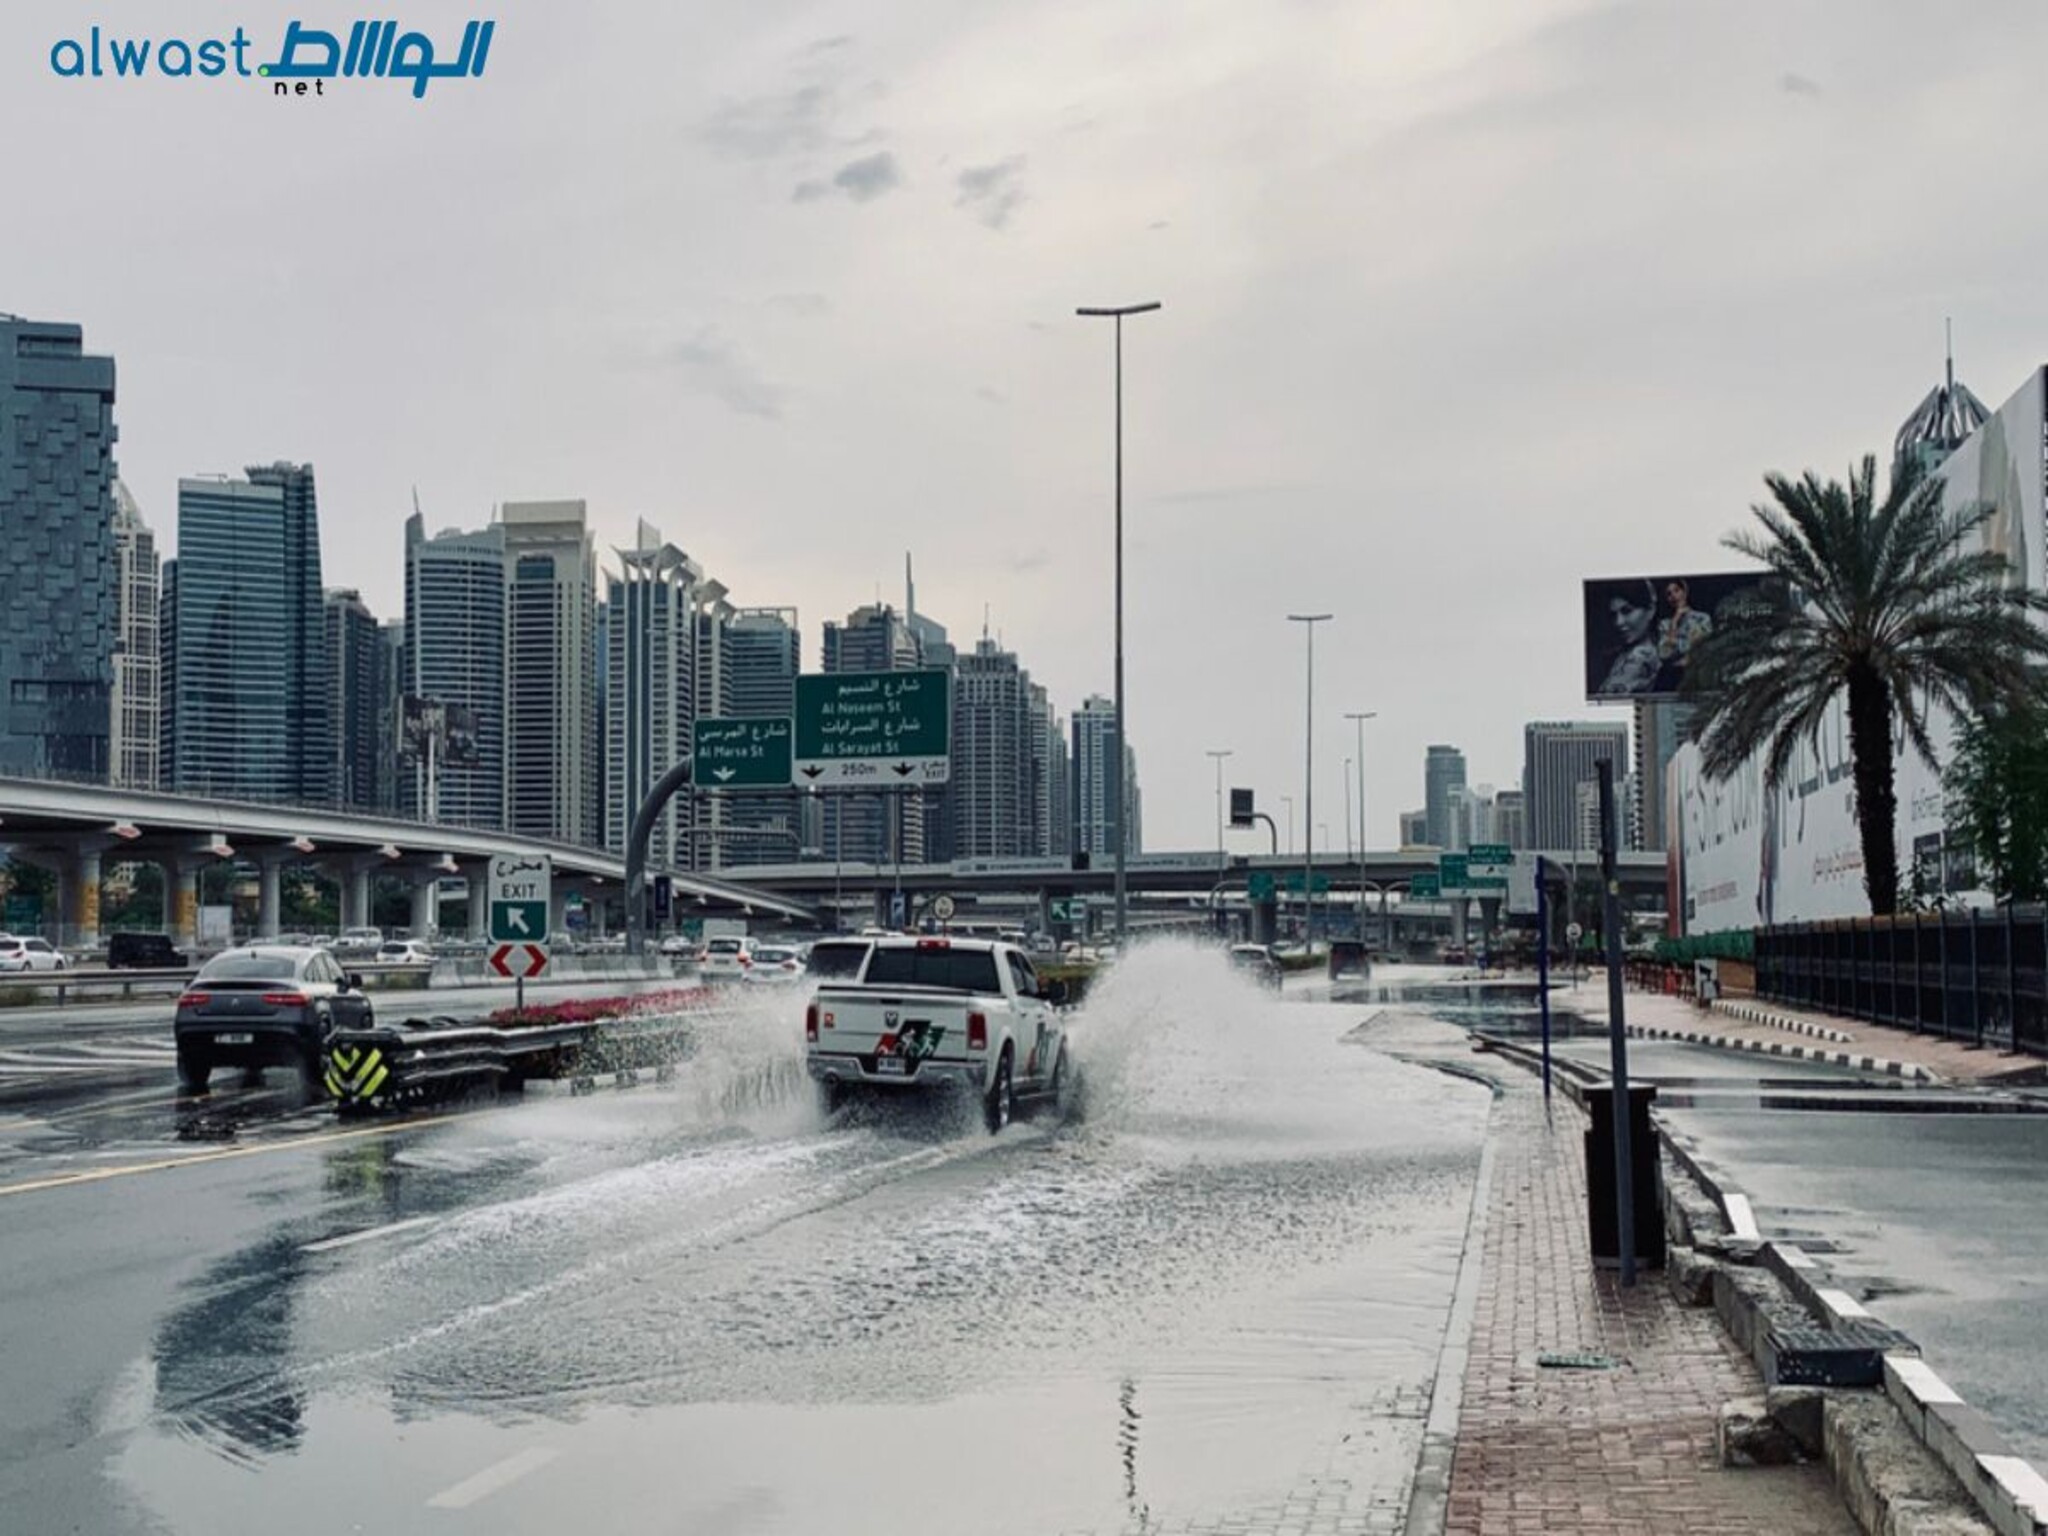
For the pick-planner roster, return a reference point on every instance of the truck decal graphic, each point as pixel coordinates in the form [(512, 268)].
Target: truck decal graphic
[(913, 1040)]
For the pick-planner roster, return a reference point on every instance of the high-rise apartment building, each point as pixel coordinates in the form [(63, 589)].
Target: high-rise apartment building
[(59, 608), (1510, 820), (1659, 732), (1095, 763), (763, 652), (873, 827), (390, 704), (650, 706), (551, 745), (354, 695), (233, 647), (934, 649), (1415, 829), (998, 795), (136, 703), (453, 653), (1557, 756), (308, 726), (167, 675), (1443, 769)]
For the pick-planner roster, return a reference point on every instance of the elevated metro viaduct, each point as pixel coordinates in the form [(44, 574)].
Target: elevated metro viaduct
[(1164, 875), (74, 830)]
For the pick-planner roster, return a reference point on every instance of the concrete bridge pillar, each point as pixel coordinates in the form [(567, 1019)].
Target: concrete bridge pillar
[(78, 893), (558, 908), (478, 876), (426, 887), (269, 891), (181, 900)]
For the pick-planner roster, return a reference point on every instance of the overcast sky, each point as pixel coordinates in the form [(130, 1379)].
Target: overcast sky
[(1464, 300)]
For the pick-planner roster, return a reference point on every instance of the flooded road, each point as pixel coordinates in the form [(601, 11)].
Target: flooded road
[(704, 1307)]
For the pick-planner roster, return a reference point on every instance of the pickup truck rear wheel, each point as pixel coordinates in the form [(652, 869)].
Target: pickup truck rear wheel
[(1001, 1102)]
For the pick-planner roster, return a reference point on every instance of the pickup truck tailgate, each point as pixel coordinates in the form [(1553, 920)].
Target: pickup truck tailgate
[(896, 1031)]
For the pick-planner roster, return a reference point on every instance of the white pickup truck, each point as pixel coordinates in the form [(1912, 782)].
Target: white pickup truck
[(960, 1013)]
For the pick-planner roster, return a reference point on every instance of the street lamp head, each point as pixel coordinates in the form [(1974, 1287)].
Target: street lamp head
[(1361, 714), (1308, 618), (1118, 311)]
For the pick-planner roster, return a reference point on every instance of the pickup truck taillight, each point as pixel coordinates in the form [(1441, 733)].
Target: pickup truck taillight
[(811, 1023), (977, 1031)]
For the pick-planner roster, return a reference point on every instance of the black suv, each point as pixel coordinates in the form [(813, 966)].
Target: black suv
[(143, 952)]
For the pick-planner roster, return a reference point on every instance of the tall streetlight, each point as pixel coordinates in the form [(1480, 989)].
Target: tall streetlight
[(1309, 621), (1347, 807), (1360, 716), (1217, 757), (1117, 314)]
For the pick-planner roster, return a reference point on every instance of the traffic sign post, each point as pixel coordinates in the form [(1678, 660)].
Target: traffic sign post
[(522, 888), (942, 907), (873, 729), (742, 754), (1425, 887)]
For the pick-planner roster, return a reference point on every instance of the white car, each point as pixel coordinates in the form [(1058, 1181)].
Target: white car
[(725, 959), (959, 1013), (676, 945), (19, 954), (404, 952), (775, 965), (359, 941)]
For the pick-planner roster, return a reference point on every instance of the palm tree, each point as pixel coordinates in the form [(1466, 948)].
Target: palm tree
[(1891, 602)]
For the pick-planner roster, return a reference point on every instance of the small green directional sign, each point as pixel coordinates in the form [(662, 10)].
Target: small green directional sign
[(1258, 885), (742, 754), (1487, 854), (1424, 888)]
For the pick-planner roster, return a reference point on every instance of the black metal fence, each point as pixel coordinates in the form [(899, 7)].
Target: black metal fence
[(1978, 975)]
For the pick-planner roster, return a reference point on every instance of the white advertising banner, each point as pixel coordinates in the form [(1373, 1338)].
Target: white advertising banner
[(1744, 858)]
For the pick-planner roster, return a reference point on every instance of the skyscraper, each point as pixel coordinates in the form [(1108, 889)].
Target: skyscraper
[(650, 689), (1443, 769), (1096, 761), (134, 758), (859, 826), (1659, 733), (1557, 756), (233, 652), (167, 675), (59, 608), (390, 703), (453, 641), (1415, 829), (1510, 820), (998, 737), (354, 689), (309, 730), (934, 649), (762, 654), (551, 741)]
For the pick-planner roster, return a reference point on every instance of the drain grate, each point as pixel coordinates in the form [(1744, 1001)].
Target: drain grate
[(1572, 1361)]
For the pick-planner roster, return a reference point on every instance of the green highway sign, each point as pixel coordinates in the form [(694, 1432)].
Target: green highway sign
[(742, 754), (1489, 854), (878, 730), (1320, 884), (1258, 885), (1424, 888), (1455, 877), (519, 893), (1069, 909)]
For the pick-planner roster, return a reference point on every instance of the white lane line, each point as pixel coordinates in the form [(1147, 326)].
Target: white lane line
[(491, 1479), (348, 1238)]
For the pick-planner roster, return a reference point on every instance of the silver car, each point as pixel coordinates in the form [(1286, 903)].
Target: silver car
[(20, 954), (267, 1005)]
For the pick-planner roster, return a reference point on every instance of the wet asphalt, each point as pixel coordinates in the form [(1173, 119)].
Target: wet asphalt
[(703, 1307)]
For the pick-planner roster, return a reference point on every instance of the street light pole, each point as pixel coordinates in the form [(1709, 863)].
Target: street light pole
[(1217, 757), (1309, 621), (1359, 717), (1117, 313)]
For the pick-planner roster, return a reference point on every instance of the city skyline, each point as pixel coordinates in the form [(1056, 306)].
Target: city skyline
[(844, 364)]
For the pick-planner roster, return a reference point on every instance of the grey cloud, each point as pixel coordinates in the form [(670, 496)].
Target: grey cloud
[(809, 305), (992, 396), (862, 180), (1798, 85), (832, 44), (769, 127), (1160, 224), (708, 365), (992, 192), (1031, 560)]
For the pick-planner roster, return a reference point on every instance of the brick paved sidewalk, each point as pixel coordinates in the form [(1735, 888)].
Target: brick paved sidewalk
[(1625, 1450), (1948, 1059)]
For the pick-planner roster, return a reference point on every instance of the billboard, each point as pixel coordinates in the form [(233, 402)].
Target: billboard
[(1640, 630), (1743, 858), (421, 722), (459, 745)]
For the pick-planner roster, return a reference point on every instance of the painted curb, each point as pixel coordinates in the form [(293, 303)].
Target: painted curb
[(1749, 1013), (1906, 1071)]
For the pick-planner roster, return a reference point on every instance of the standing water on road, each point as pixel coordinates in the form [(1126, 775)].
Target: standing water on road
[(1217, 1293)]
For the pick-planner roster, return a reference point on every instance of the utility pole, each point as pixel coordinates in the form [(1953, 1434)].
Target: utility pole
[(1309, 621)]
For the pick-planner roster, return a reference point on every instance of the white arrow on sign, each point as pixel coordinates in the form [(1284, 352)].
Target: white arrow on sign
[(517, 918), (721, 774)]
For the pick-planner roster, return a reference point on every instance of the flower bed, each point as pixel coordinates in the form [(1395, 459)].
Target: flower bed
[(593, 1010)]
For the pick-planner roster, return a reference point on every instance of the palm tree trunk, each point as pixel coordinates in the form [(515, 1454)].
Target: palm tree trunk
[(1870, 750)]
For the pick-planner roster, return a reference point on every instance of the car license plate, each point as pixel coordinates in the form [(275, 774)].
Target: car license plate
[(890, 1065), (234, 1038)]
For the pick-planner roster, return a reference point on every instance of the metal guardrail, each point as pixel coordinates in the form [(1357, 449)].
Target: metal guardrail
[(22, 987)]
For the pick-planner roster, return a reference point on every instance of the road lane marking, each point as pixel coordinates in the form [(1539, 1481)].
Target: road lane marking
[(487, 1482), (348, 1239), (96, 1175)]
